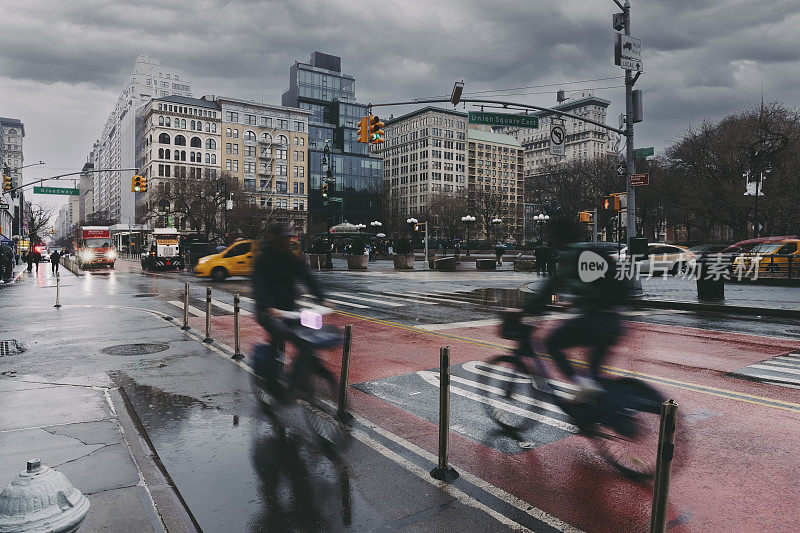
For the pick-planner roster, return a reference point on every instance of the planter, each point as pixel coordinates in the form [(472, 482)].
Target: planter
[(485, 264), (357, 262), (447, 264), (316, 261), (404, 261)]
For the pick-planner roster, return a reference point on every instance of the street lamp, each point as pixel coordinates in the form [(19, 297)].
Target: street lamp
[(541, 219), (496, 221), (468, 219), (325, 166), (375, 224)]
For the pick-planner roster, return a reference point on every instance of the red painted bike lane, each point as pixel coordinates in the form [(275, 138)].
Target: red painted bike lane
[(738, 438)]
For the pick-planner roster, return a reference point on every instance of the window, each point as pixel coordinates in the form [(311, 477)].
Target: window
[(211, 144), (180, 140), (280, 154), (235, 166), (235, 149), (228, 148), (250, 119), (283, 124), (249, 167), (213, 159), (250, 151), (228, 132), (296, 188), (183, 123), (196, 142), (239, 249), (296, 172), (249, 136), (283, 140), (160, 120), (266, 121), (266, 137), (192, 125), (228, 165), (166, 153), (163, 138), (208, 158), (235, 134), (230, 116), (299, 126)]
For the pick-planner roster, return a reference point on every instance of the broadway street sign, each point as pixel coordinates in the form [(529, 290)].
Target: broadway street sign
[(644, 152), (56, 190), (503, 119)]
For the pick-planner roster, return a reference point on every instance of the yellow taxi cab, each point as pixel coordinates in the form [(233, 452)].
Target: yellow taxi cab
[(772, 257), (238, 259)]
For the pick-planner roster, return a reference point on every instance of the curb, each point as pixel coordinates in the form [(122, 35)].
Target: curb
[(716, 308)]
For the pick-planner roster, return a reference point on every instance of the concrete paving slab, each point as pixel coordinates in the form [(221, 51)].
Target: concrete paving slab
[(119, 510), (109, 467), (52, 406)]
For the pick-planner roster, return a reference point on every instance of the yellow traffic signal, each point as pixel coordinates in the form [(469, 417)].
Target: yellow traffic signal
[(7, 183), (143, 186), (363, 130), (324, 189), (136, 183), (376, 132)]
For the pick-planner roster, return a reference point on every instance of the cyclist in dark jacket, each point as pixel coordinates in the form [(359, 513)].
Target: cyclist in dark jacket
[(275, 276)]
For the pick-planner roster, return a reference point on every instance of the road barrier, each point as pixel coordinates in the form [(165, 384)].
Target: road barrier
[(208, 315), (443, 471), (58, 290), (666, 450), (186, 307), (237, 353), (341, 412)]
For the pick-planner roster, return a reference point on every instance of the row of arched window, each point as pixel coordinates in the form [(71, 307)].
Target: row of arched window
[(195, 142), (180, 155), (196, 125)]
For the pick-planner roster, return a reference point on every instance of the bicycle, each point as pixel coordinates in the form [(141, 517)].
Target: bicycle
[(622, 420), (307, 380)]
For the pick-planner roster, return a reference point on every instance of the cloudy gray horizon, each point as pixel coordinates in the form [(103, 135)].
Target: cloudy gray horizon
[(63, 64)]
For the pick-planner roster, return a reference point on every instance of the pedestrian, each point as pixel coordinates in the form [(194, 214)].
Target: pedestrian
[(29, 260), (54, 259), (499, 250), (542, 257), (37, 258), (6, 262)]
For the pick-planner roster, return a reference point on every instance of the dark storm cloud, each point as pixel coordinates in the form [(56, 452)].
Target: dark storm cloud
[(703, 58)]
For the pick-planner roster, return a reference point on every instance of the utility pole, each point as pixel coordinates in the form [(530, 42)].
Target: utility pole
[(629, 146)]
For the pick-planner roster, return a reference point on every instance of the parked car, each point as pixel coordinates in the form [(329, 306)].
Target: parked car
[(773, 258), (667, 258), (703, 249)]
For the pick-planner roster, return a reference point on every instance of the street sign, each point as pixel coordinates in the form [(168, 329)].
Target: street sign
[(557, 137), (503, 119), (644, 152), (3, 205), (56, 190), (632, 64), (630, 48), (621, 169), (639, 179)]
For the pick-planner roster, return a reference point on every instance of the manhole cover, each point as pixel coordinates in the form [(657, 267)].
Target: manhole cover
[(135, 349), (145, 295), (10, 348)]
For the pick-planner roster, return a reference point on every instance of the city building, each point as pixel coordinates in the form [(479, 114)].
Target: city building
[(12, 133), (180, 139), (320, 87), (116, 148), (265, 147), (425, 153), (495, 181), (86, 191), (67, 218)]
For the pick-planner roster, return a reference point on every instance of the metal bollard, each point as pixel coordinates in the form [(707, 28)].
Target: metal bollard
[(208, 315), (58, 290), (342, 413), (237, 353), (444, 472), (186, 307), (666, 449)]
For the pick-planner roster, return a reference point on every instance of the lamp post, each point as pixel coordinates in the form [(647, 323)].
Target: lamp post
[(541, 219), (326, 168), (496, 221), (467, 220)]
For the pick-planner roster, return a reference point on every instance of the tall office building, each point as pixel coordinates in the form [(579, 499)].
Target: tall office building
[(116, 148), (12, 133), (320, 87)]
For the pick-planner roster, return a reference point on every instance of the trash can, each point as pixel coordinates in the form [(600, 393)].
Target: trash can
[(710, 281)]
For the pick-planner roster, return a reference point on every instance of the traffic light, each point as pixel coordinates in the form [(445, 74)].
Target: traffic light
[(585, 216), (324, 189), (363, 130), (136, 183), (143, 186), (7, 184), (376, 132), (611, 203)]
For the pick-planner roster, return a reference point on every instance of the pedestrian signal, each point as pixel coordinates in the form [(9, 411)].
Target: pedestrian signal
[(376, 132), (611, 203), (586, 216)]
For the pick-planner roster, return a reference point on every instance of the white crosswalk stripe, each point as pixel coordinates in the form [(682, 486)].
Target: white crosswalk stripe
[(781, 370), (401, 298), (351, 304), (192, 310), (229, 308), (361, 298)]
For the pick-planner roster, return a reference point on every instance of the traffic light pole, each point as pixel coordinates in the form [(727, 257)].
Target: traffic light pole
[(70, 174), (629, 146), (594, 226)]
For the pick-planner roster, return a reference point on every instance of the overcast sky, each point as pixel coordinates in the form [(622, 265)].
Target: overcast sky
[(63, 63)]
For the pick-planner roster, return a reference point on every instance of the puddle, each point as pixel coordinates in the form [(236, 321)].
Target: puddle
[(497, 297)]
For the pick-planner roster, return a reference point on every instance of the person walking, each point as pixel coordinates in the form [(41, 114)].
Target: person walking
[(29, 260), (499, 250), (6, 262), (37, 258), (54, 259)]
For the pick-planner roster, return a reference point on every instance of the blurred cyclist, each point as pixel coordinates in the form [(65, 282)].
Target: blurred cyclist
[(589, 274), (275, 276)]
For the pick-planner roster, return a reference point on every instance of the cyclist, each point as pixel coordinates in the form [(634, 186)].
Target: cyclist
[(597, 293), (275, 275)]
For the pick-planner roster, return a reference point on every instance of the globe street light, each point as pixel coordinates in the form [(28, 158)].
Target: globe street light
[(541, 219), (467, 220), (496, 221)]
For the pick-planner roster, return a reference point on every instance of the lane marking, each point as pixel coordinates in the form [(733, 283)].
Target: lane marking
[(361, 298), (229, 308), (500, 392), (776, 369), (694, 387), (436, 298), (192, 310), (459, 325), (401, 298), (351, 304)]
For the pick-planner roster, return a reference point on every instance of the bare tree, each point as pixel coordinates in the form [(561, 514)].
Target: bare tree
[(444, 214), (487, 204), (38, 219)]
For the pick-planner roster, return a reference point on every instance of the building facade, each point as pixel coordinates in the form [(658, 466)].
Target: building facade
[(496, 182), (265, 147), (321, 88), (12, 134), (117, 146), (425, 153), (180, 140), (67, 218)]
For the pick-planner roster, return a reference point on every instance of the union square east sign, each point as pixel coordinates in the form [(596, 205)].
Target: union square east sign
[(503, 119)]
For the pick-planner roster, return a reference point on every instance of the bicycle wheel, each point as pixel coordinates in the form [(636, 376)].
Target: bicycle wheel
[(504, 380), (626, 427), (318, 390)]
